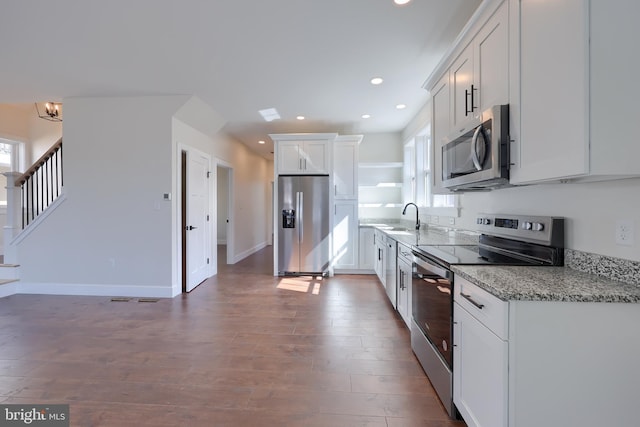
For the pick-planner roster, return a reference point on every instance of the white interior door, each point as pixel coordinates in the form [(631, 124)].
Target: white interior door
[(198, 235)]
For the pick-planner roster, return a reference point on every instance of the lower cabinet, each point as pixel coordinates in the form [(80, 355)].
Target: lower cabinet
[(544, 363), (345, 235), (379, 256), (404, 268), (366, 251), (480, 371)]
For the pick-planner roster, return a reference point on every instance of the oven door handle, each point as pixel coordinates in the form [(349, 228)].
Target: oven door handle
[(431, 268)]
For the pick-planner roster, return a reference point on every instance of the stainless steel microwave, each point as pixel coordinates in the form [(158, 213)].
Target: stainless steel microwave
[(479, 159)]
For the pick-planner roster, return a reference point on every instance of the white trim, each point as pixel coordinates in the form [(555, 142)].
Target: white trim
[(44, 288), (40, 218), (230, 242)]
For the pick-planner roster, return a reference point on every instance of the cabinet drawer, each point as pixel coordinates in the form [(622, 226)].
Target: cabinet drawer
[(488, 309), (404, 253)]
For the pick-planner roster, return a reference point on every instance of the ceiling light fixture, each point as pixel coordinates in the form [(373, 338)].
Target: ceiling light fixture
[(261, 142), (269, 114), (51, 111), (376, 80), (401, 106), (366, 116), (401, 2), (300, 117)]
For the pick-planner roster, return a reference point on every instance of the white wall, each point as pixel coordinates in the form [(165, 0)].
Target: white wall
[(252, 175), (114, 229), (591, 210), (14, 121), (42, 135)]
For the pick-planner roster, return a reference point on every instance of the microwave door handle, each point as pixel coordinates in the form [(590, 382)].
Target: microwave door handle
[(474, 148)]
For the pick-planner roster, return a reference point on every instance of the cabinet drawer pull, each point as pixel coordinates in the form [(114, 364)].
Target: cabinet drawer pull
[(468, 298)]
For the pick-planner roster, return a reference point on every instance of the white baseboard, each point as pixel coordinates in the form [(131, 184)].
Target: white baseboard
[(94, 290), (248, 252)]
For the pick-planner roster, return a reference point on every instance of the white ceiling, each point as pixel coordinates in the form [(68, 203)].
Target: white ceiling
[(303, 57)]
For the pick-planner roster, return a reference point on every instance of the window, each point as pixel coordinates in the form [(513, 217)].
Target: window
[(5, 154), (417, 177)]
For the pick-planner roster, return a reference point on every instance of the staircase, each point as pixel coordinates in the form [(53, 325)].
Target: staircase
[(30, 197)]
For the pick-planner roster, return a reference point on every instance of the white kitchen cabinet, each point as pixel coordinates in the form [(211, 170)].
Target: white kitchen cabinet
[(345, 166), (544, 363), (463, 115), (480, 359), (441, 121), (575, 106), (303, 154), (366, 250), (474, 77), (479, 77), (391, 260), (379, 244), (345, 235), (404, 276), (491, 62)]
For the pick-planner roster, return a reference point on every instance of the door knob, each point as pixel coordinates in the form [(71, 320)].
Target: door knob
[(190, 227)]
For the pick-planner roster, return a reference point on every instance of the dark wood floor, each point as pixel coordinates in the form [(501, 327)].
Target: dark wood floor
[(242, 349)]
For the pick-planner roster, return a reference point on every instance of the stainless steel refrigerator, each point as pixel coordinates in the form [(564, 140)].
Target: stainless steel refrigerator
[(303, 230)]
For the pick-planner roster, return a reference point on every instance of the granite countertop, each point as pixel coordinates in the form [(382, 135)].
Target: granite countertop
[(427, 235), (513, 283)]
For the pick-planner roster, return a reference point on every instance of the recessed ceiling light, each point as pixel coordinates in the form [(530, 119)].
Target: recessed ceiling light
[(300, 117), (366, 116), (401, 2), (261, 142), (376, 80), (269, 114), (401, 106)]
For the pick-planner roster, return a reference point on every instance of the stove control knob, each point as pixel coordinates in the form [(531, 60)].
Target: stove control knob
[(538, 226), (526, 225), (486, 221), (478, 220)]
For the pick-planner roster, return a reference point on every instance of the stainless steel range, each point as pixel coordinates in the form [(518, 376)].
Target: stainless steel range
[(505, 240)]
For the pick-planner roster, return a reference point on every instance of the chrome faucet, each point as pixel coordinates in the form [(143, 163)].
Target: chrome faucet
[(417, 216)]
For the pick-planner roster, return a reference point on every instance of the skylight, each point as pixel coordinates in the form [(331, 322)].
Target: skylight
[(269, 114)]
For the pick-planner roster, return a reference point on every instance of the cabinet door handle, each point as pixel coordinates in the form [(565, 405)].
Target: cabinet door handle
[(468, 298), (472, 103), (466, 103)]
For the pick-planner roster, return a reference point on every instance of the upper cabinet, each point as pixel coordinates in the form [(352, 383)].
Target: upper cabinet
[(345, 166), (303, 154), (575, 102), (464, 111), (479, 76), (473, 77), (562, 66)]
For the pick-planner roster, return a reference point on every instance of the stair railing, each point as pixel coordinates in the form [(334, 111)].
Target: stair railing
[(41, 184)]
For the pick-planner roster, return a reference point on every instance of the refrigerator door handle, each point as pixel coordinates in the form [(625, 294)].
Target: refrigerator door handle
[(300, 202)]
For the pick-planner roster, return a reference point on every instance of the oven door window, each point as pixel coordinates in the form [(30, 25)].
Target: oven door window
[(432, 310), (468, 154)]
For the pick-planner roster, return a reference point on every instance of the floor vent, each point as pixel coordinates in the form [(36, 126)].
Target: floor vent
[(120, 299), (148, 299)]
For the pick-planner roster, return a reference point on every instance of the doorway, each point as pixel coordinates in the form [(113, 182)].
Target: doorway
[(195, 217), (224, 213)]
